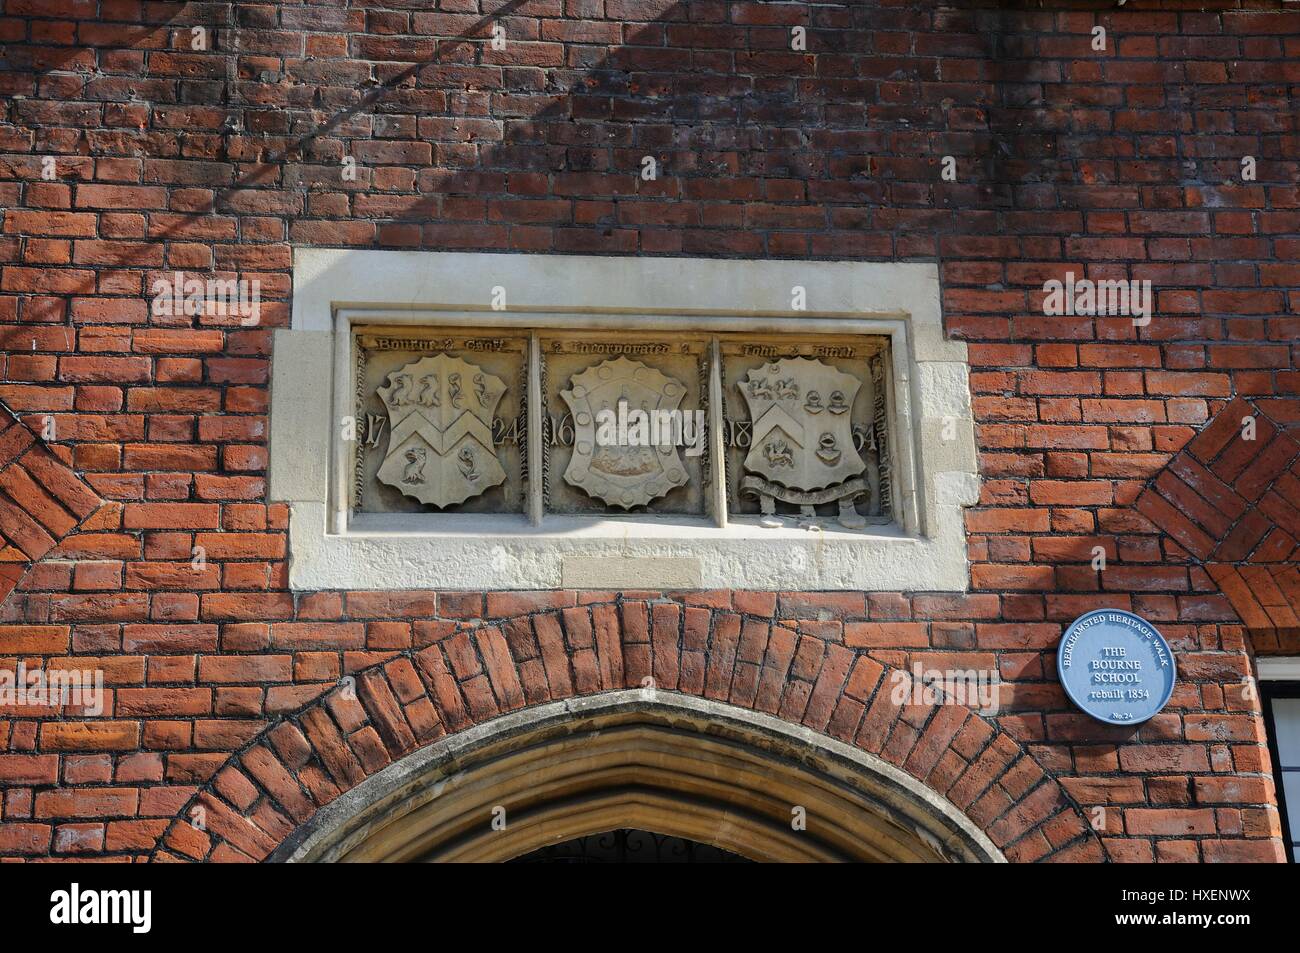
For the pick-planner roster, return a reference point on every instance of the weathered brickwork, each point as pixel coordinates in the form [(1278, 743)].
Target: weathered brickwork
[(42, 502), (127, 154), (1231, 500), (455, 675)]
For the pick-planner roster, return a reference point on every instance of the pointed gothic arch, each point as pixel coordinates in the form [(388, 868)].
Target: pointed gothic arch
[(727, 745)]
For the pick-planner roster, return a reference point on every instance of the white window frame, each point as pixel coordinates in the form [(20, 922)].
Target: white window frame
[(1278, 668), (931, 430)]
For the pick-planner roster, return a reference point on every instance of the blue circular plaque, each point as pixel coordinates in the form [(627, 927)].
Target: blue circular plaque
[(1116, 666)]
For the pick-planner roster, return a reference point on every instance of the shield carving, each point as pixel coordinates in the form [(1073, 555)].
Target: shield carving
[(624, 475), (440, 413), (802, 428)]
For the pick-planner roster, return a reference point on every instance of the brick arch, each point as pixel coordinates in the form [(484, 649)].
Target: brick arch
[(1231, 506), (472, 673), (42, 501)]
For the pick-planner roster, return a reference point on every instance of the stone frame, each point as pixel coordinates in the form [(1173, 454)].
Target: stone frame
[(935, 468)]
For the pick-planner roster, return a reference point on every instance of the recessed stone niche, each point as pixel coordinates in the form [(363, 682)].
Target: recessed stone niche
[(434, 423), (629, 425)]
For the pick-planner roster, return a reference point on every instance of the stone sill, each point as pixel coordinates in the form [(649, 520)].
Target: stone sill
[(504, 552)]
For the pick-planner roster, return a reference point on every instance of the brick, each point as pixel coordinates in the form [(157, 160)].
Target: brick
[(87, 802), (90, 736), (171, 516), (1091, 431), (28, 769), (24, 838), (34, 639), (1169, 822)]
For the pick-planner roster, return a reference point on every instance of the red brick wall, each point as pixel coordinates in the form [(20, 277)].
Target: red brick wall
[(1121, 163)]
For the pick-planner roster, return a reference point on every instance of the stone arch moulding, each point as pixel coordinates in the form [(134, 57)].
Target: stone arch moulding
[(674, 764), (410, 765)]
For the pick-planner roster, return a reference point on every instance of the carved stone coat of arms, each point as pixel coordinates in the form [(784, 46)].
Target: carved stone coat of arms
[(630, 474), (440, 411), (802, 449)]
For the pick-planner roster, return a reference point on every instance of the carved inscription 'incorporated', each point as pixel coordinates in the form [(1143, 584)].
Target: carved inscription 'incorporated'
[(440, 412)]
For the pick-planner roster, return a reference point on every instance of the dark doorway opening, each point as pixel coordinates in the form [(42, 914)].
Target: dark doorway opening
[(630, 846)]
